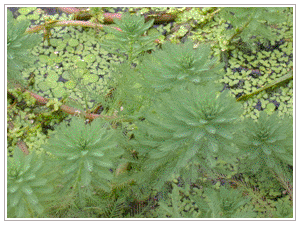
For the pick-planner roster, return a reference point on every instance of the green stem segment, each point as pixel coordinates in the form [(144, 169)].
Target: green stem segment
[(276, 82)]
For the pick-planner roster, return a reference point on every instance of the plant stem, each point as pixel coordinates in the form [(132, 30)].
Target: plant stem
[(109, 17), (46, 27), (68, 109), (66, 23), (239, 31), (284, 182), (276, 82)]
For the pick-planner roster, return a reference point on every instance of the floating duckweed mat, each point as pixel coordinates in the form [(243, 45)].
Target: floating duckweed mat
[(74, 58), (250, 71), (249, 68), (75, 66), (77, 51)]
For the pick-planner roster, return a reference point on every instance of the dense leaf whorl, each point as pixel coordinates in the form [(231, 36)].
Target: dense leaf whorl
[(227, 203), (179, 64), (29, 180), (18, 47), (189, 124), (267, 142), (86, 152), (129, 38)]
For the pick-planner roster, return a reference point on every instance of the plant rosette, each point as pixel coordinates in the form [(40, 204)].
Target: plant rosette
[(29, 184), (187, 125), (85, 153), (266, 142)]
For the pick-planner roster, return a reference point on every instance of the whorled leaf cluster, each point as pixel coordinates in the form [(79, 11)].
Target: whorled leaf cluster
[(18, 45), (193, 123), (87, 153), (225, 203), (177, 65), (129, 38), (250, 23), (266, 142), (29, 180), (222, 203)]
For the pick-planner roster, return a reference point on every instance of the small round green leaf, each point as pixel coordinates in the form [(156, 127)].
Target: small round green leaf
[(44, 58), (90, 78), (81, 64), (33, 17), (55, 42), (90, 58), (70, 84), (52, 75), (43, 86), (70, 49), (51, 83), (26, 10), (58, 92), (73, 42), (270, 107), (76, 58)]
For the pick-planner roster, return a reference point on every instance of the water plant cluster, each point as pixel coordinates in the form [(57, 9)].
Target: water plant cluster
[(150, 113)]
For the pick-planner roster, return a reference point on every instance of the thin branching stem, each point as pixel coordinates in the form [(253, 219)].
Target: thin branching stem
[(67, 109), (278, 81)]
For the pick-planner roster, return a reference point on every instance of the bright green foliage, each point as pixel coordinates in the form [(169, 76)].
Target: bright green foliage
[(284, 209), (271, 70), (26, 125), (178, 65), (163, 69), (188, 125), (177, 207), (130, 39), (97, 14), (187, 130), (114, 209), (224, 203), (251, 21), (18, 47), (128, 92), (267, 142), (29, 181), (85, 153)]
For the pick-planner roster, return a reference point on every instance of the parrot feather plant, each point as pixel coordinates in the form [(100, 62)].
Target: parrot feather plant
[(19, 44), (267, 146), (87, 155), (180, 121), (192, 124)]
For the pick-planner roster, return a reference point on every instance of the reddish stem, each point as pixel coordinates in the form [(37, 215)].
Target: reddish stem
[(68, 109), (109, 17), (66, 23), (69, 10)]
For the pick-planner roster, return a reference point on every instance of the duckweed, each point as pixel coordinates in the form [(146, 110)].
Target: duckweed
[(59, 92), (52, 75), (43, 86), (270, 108), (70, 84), (90, 58), (26, 10), (81, 64), (44, 58), (90, 78), (79, 48)]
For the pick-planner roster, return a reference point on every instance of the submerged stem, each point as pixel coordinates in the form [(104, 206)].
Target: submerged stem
[(276, 82)]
